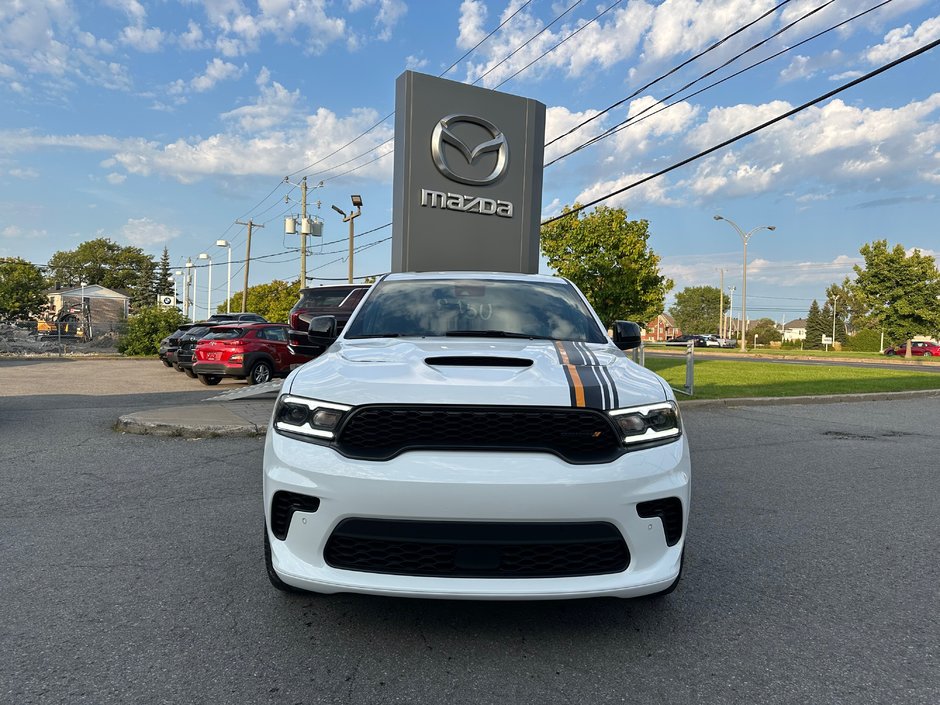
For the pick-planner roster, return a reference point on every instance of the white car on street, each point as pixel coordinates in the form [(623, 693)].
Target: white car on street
[(477, 436)]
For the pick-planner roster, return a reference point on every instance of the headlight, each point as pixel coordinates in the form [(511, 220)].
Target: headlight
[(653, 423), (308, 417)]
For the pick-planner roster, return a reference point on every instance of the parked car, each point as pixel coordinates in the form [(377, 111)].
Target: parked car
[(338, 300), (698, 340), (256, 351), (170, 345), (478, 436), (236, 317), (923, 348), (184, 355)]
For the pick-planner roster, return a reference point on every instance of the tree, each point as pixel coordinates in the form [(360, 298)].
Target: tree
[(849, 306), (696, 309), (608, 258), (22, 289), (826, 316), (147, 328), (273, 301), (107, 264), (815, 327), (766, 331), (164, 276), (901, 291)]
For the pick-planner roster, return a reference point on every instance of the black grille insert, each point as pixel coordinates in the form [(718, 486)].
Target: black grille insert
[(477, 550), (382, 432), (283, 506), (670, 511)]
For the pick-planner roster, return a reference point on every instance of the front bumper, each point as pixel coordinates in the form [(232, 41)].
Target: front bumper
[(482, 487)]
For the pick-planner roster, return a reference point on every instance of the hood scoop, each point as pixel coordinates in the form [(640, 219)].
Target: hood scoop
[(477, 361)]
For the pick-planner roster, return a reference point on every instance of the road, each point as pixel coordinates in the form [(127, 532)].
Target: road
[(132, 572)]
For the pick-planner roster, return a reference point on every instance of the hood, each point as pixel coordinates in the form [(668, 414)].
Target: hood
[(486, 372)]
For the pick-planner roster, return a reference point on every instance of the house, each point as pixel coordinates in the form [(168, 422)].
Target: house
[(660, 329), (794, 330), (105, 310)]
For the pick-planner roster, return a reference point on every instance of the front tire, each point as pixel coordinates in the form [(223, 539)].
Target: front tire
[(167, 363), (211, 380), (261, 373)]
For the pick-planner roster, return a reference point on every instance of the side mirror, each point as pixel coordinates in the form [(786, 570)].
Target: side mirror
[(627, 335), (322, 330)]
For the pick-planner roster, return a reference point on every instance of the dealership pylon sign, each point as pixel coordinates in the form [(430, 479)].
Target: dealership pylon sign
[(468, 177)]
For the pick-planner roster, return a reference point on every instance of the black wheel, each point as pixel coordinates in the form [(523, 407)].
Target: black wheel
[(675, 583), (889, 353), (210, 379), (927, 353), (261, 373), (176, 366), (166, 362), (269, 566), (188, 371)]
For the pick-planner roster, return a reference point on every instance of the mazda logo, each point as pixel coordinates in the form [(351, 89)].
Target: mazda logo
[(442, 133)]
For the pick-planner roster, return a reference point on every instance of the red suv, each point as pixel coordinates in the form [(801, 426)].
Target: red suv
[(256, 351)]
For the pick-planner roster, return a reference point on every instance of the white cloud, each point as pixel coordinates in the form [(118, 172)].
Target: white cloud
[(25, 174), (414, 63), (144, 232), (216, 70), (903, 40), (470, 24), (388, 15), (132, 8), (144, 40), (192, 38), (115, 179), (653, 191), (18, 233), (275, 106)]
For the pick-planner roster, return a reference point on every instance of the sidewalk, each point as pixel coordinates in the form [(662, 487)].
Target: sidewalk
[(210, 419)]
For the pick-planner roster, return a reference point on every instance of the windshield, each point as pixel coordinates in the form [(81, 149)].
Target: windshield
[(225, 334), (471, 307)]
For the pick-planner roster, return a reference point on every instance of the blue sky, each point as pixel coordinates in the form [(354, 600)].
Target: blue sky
[(161, 123)]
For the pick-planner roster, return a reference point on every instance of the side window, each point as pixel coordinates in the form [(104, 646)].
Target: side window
[(278, 334)]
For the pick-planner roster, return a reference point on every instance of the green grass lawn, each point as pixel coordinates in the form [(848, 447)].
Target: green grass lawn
[(727, 379)]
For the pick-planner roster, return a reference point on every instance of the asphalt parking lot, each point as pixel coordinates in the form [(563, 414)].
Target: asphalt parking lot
[(132, 571)]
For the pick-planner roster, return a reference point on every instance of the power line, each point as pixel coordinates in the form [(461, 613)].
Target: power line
[(747, 133), (477, 45), (578, 30), (670, 72), (527, 42), (645, 114)]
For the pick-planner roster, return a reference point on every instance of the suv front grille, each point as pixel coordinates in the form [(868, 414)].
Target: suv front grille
[(477, 550), (576, 435)]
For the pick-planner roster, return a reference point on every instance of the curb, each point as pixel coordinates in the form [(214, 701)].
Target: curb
[(126, 424)]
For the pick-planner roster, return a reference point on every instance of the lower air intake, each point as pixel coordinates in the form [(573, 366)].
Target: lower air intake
[(477, 550)]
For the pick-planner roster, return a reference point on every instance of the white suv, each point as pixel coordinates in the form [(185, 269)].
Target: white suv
[(475, 435)]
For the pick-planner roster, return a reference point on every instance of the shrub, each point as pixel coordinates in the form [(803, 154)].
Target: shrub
[(145, 330), (865, 340)]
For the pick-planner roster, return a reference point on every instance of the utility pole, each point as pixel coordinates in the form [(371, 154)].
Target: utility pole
[(303, 234), (721, 304), (251, 224)]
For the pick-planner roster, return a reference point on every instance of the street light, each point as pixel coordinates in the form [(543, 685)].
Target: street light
[(192, 275), (176, 298), (228, 281), (357, 203), (744, 238), (728, 327), (205, 256)]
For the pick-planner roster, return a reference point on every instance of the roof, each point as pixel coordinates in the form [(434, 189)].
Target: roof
[(796, 323), (503, 276), (90, 291)]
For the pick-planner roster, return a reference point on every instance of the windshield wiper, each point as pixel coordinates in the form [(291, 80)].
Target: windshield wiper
[(375, 335), (494, 334)]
